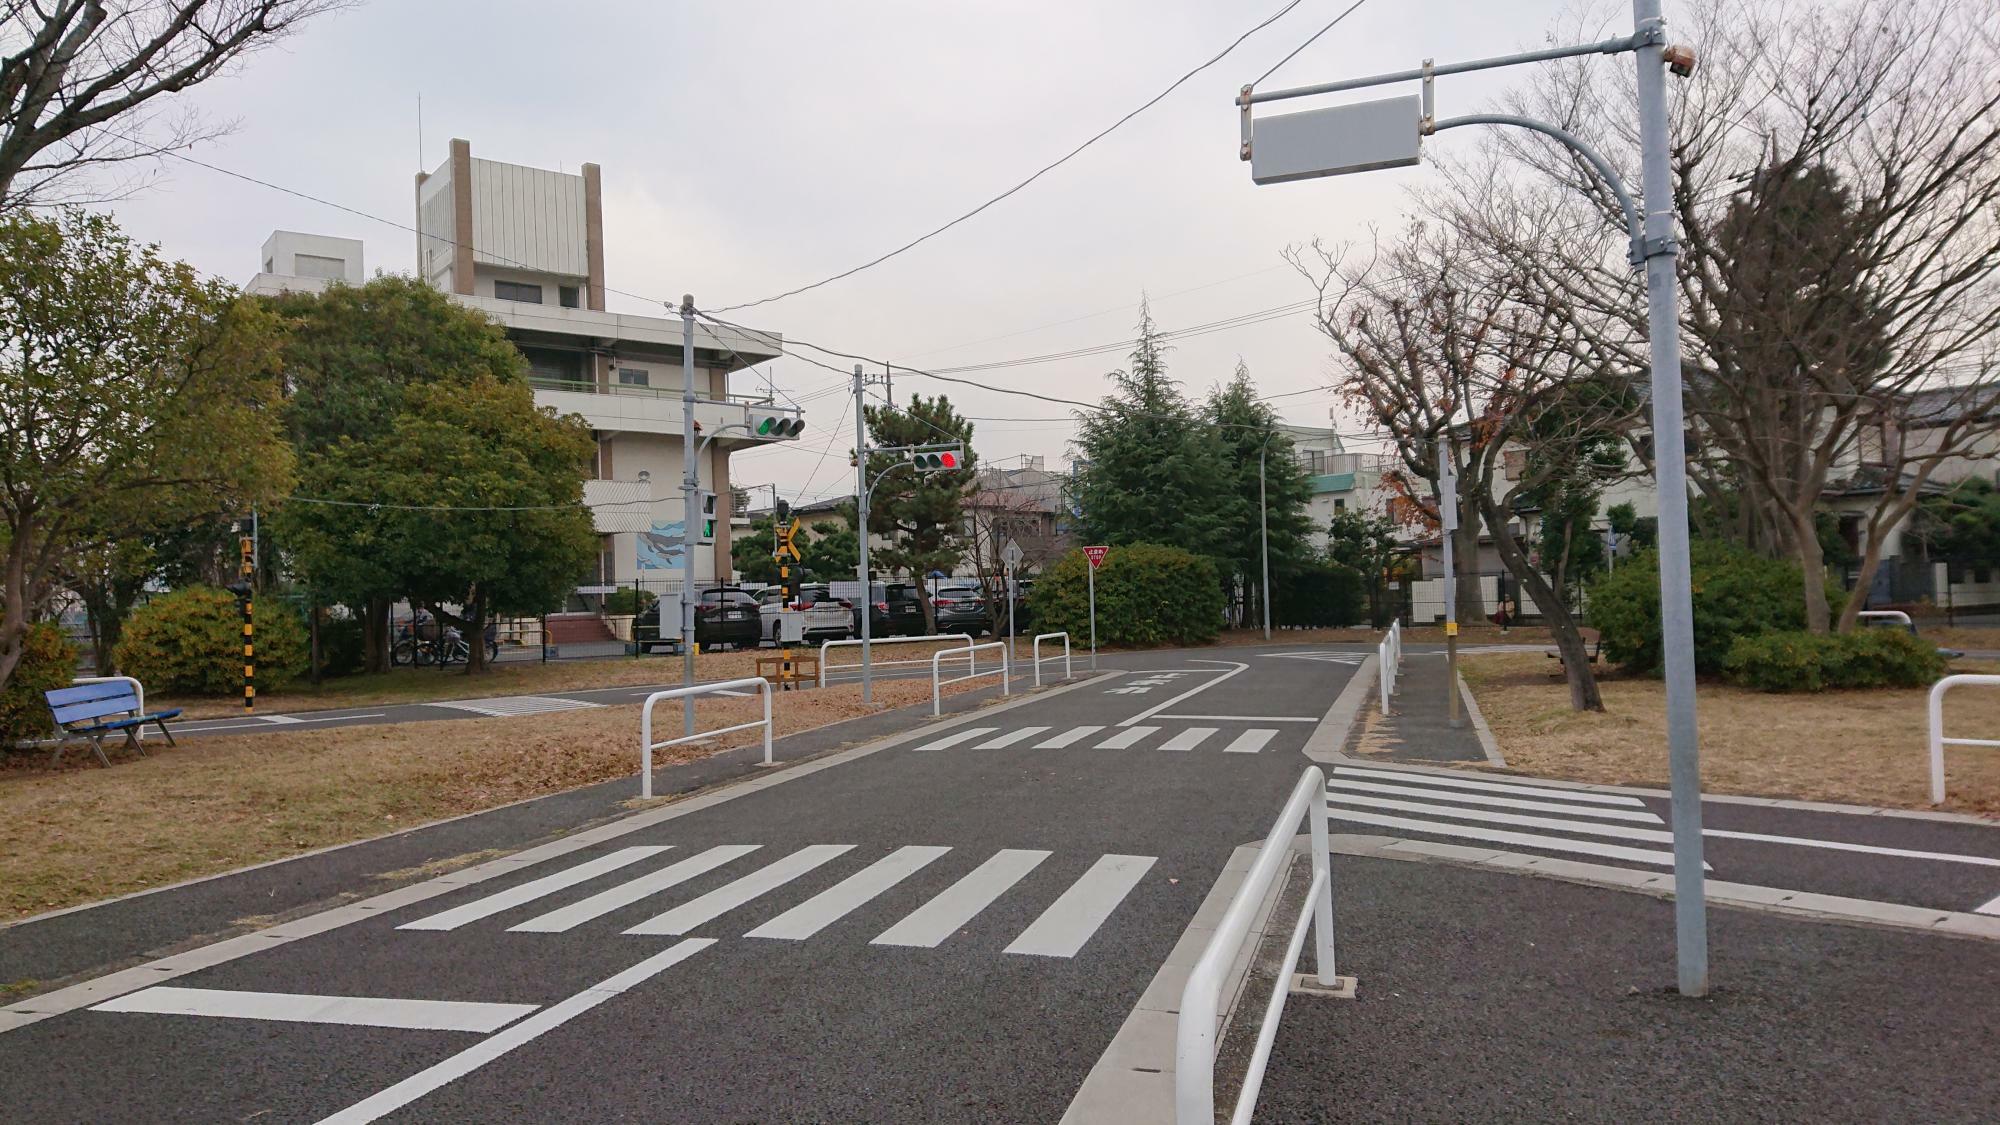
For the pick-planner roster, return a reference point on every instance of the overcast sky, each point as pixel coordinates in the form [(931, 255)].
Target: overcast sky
[(748, 148)]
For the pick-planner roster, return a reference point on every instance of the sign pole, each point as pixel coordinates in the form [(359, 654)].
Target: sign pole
[(1448, 522), (1095, 556)]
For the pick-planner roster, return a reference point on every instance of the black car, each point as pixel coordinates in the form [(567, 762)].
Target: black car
[(893, 611), (725, 615), (960, 607)]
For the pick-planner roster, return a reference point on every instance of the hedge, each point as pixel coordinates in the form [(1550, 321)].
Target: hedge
[(1146, 595), (191, 642), (1736, 594), (1322, 595), (47, 663), (1800, 661)]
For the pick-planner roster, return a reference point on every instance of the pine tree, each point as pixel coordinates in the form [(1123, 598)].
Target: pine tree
[(1246, 428), (919, 513)]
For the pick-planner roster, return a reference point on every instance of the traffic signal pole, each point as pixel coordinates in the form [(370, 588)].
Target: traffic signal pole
[(861, 531), (690, 485)]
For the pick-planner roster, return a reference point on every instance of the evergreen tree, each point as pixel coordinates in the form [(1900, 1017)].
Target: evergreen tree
[(1246, 428), (918, 513)]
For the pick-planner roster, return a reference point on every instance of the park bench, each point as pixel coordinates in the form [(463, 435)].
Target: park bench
[(92, 711), (1596, 649)]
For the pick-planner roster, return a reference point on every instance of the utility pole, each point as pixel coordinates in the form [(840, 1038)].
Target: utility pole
[(861, 530), (690, 488), (1448, 523), (1264, 531)]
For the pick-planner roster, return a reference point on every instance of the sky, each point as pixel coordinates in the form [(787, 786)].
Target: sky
[(749, 148)]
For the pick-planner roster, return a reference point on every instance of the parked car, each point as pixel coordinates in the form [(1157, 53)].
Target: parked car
[(961, 608), (827, 619), (723, 615), (893, 611)]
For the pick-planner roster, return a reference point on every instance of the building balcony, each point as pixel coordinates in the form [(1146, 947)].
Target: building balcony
[(615, 408)]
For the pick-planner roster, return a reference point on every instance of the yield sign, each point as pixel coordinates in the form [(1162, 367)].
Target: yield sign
[(1096, 555)]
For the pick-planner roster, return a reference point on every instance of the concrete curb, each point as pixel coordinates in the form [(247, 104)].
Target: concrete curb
[(100, 989), (1479, 727), (1329, 738)]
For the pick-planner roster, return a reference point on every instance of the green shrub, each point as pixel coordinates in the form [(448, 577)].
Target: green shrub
[(342, 645), (1146, 595), (1800, 661), (628, 599), (191, 642), (1736, 594), (1319, 596), (47, 663)]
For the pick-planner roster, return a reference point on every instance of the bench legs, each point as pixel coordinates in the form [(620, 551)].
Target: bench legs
[(96, 745), (162, 724)]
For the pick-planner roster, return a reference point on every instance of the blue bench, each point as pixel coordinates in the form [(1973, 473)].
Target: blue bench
[(92, 711)]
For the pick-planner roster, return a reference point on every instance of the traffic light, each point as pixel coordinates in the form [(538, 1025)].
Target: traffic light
[(937, 460), (707, 518), (769, 426)]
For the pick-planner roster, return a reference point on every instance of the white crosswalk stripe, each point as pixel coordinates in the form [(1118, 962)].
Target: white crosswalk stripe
[(1073, 734), (956, 737), (1127, 738), (1251, 741), (1010, 738), (1188, 739), (1068, 918), (1457, 808), (519, 705)]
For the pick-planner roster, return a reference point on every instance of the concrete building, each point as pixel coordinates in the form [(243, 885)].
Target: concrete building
[(1341, 480)]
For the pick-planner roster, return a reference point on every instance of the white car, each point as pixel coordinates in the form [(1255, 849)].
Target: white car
[(826, 619)]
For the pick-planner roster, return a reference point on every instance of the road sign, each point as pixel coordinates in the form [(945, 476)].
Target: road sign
[(785, 548), (1096, 555), (1011, 555)]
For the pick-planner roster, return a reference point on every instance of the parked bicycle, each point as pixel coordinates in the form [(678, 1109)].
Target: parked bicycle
[(421, 643)]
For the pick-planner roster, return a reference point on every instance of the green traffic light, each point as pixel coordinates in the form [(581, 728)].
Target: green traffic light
[(764, 427)]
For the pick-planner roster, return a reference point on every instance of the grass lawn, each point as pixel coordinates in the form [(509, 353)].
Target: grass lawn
[(81, 833), (1863, 747)]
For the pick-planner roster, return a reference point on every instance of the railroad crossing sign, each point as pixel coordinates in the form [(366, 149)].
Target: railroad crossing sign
[(1096, 555), (785, 548)]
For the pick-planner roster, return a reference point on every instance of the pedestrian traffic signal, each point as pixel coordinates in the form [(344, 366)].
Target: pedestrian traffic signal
[(937, 460), (769, 426), (707, 518)]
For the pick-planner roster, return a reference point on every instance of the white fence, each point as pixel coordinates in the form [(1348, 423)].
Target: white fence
[(1938, 740), (1035, 654), (727, 687), (827, 646), (1201, 1000), (971, 655), (1389, 658)]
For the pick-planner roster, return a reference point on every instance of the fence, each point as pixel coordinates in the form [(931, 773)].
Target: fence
[(1938, 740), (727, 687), (1389, 658), (1201, 1000), (826, 646), (971, 655), (1035, 655)]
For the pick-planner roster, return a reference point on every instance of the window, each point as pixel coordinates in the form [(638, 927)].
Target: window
[(1339, 505), (566, 296), (554, 364), (516, 291), (634, 377)]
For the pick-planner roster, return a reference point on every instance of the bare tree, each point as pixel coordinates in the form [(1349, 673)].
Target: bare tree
[(998, 510), (85, 85), (1837, 189), (1439, 350)]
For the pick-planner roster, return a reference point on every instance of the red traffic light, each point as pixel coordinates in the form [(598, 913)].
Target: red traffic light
[(948, 460)]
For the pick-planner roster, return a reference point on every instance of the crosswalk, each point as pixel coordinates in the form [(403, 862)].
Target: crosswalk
[(508, 705), (1061, 929), (1088, 737), (1602, 826)]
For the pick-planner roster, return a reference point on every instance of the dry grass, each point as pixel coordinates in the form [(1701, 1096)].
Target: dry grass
[(1864, 747), (81, 833), (1469, 633)]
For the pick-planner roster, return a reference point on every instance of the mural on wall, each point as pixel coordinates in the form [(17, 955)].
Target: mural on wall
[(661, 548)]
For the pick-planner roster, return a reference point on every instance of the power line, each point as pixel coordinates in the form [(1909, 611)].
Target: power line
[(1309, 41), (1044, 170), (375, 504)]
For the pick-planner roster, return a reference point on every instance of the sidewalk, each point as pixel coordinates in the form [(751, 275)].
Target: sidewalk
[(1488, 996), (1418, 727)]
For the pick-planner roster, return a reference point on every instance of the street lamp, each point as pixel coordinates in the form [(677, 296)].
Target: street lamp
[(1387, 133)]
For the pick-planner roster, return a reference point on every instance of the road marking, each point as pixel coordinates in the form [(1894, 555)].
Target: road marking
[(1324, 657), (959, 903), (1990, 908), (1519, 820), (1188, 739), (834, 903), (292, 1007), (1127, 737), (486, 1050), (625, 894), (1247, 718), (1251, 741), (1010, 738), (1488, 786), (519, 705), (1188, 694), (728, 897), (1073, 734), (1842, 846), (1348, 785), (266, 722), (1496, 836), (1070, 920), (528, 892), (956, 737)]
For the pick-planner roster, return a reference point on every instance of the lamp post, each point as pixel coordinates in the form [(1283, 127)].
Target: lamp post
[(1387, 133)]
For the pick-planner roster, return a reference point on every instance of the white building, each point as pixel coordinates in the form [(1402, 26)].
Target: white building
[(525, 246)]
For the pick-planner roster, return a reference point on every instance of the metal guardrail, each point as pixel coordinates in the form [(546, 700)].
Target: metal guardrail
[(856, 642), (138, 692), (1201, 1001), (1035, 654), (726, 687), (1888, 615), (971, 654), (1938, 740), (1389, 658)]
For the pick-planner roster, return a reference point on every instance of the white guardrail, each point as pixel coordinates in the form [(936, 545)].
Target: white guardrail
[(970, 654), (1035, 654), (727, 687), (856, 642), (1389, 658), (138, 692), (1201, 1000), (1938, 740), (1888, 615)]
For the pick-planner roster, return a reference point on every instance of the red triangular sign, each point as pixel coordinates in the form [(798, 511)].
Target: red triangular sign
[(1096, 555)]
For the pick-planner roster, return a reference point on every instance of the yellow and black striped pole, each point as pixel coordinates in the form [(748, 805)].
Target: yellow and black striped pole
[(249, 629)]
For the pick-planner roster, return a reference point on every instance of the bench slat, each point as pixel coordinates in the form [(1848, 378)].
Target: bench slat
[(86, 693), (97, 709)]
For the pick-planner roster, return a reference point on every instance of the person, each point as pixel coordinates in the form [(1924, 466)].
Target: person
[(1505, 614)]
